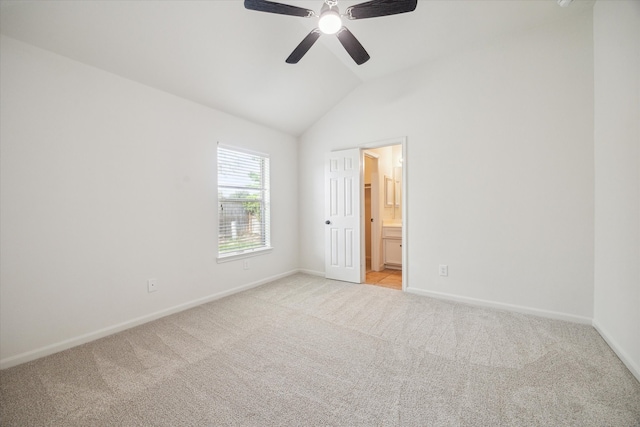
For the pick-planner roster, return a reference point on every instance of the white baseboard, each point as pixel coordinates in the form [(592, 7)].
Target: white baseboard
[(311, 272), (503, 306), (618, 350), (92, 336)]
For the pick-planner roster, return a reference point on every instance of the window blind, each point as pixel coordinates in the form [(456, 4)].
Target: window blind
[(243, 201)]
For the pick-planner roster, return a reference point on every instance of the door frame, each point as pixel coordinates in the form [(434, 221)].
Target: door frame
[(402, 140), (375, 215)]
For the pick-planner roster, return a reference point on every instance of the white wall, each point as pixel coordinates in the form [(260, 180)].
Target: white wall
[(617, 177), (106, 183), (500, 169)]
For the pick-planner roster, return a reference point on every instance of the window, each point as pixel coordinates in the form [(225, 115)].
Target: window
[(243, 202)]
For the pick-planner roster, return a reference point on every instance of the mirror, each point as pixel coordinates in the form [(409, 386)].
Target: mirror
[(389, 191), (397, 193)]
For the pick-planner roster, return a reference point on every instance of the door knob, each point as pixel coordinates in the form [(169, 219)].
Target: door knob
[(327, 222)]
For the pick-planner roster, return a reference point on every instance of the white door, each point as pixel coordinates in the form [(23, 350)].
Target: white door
[(342, 216)]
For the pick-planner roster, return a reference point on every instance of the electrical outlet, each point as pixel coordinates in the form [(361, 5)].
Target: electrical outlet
[(245, 264), (152, 285), (444, 270)]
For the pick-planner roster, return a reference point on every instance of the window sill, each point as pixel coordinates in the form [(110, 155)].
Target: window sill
[(241, 255)]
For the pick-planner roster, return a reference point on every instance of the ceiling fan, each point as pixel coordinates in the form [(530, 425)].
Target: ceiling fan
[(330, 22)]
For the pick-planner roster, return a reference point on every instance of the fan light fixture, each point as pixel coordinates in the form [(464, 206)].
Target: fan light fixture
[(330, 22)]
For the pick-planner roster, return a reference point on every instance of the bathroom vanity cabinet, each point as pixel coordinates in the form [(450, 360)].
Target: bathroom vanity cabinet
[(392, 246)]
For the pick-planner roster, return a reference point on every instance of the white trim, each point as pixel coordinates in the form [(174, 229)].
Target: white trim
[(243, 150), (232, 256), (311, 272), (617, 349), (384, 143), (92, 336), (503, 306), (405, 217)]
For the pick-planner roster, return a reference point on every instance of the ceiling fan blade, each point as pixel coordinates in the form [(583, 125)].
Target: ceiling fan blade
[(273, 7), (352, 46), (303, 47), (375, 8)]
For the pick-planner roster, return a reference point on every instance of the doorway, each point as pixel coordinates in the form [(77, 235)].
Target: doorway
[(382, 190), (371, 193), (345, 231)]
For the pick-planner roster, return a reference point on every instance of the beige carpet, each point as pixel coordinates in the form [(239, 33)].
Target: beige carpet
[(308, 351)]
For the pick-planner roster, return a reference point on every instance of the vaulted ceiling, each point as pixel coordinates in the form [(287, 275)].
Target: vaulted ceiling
[(221, 55)]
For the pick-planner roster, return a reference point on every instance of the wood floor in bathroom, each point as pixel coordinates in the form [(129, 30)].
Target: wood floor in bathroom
[(386, 278)]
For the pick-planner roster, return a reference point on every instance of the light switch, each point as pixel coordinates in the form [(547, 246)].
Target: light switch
[(444, 270)]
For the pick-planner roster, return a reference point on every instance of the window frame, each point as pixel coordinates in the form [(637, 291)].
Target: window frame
[(265, 220)]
